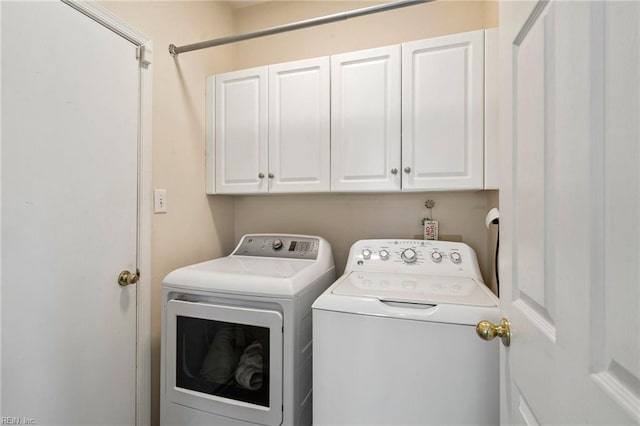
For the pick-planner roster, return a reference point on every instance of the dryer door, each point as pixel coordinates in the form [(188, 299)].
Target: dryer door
[(225, 360)]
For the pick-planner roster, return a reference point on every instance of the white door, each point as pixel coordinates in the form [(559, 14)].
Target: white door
[(365, 120), (570, 204), (70, 106), (241, 131), (299, 127), (442, 112)]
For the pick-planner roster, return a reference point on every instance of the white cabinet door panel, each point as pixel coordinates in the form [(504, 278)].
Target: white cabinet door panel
[(299, 126), (442, 112), (241, 131), (365, 120)]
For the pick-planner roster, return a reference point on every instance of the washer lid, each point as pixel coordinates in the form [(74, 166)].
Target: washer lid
[(408, 288)]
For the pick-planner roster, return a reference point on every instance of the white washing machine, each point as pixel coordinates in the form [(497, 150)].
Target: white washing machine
[(236, 333), (395, 340)]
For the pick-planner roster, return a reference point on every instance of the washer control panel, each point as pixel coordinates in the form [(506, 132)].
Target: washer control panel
[(280, 246), (412, 256)]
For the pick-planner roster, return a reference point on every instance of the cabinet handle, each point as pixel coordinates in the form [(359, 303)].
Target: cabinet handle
[(407, 169), (261, 175), (394, 171), (271, 176)]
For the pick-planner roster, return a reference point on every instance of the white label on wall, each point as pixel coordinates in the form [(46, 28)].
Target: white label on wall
[(430, 229)]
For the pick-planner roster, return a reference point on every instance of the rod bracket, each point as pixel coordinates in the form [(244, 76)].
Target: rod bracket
[(172, 50)]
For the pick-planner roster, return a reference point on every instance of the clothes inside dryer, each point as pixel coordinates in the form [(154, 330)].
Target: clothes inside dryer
[(223, 359)]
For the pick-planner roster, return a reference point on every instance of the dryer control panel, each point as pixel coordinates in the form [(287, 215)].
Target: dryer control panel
[(413, 257), (279, 246)]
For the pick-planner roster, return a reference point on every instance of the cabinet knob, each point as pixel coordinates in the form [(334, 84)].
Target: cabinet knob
[(407, 169), (271, 176), (261, 175), (394, 171)]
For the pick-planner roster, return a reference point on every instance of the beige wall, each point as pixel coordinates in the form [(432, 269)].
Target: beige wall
[(196, 227), (344, 219)]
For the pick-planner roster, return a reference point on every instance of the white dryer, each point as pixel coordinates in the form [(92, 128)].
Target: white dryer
[(395, 340), (236, 333)]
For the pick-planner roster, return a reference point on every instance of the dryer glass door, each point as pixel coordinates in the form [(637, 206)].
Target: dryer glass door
[(226, 360)]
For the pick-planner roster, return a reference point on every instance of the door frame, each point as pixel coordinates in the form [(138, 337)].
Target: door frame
[(144, 46)]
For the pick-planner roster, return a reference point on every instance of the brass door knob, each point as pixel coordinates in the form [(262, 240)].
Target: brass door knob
[(127, 278), (487, 331)]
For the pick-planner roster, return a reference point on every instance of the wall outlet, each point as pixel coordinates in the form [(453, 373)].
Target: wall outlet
[(159, 200)]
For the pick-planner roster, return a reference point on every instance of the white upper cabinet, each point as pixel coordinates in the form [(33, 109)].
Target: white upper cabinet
[(442, 113), (241, 131), (412, 117), (299, 126), (272, 129), (365, 120)]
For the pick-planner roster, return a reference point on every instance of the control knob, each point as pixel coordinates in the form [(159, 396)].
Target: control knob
[(455, 257), (366, 254), (277, 244), (409, 255), (436, 257), (384, 255)]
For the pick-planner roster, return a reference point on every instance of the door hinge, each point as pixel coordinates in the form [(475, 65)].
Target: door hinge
[(144, 55)]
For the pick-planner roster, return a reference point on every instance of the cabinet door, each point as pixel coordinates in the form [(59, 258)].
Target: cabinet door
[(442, 112), (241, 131), (365, 120), (299, 126)]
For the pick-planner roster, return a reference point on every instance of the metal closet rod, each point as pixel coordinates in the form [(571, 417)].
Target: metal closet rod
[(342, 16)]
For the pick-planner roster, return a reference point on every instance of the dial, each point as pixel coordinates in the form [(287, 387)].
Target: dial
[(436, 257), (384, 255), (409, 255), (277, 244), (366, 253), (455, 257)]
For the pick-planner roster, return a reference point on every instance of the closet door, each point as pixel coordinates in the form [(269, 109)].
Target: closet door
[(71, 204), (299, 126), (365, 120), (241, 131), (442, 112)]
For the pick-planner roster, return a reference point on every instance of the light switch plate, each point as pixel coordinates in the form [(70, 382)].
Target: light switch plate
[(159, 200)]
